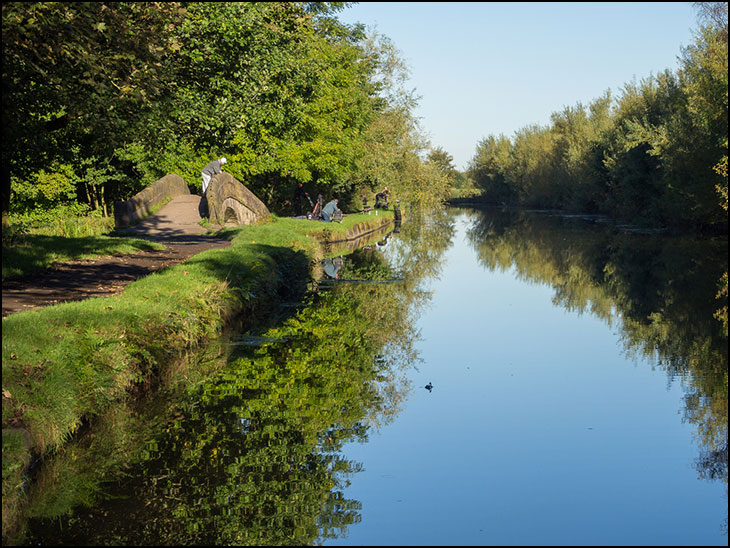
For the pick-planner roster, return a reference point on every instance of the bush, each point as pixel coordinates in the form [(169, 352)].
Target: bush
[(72, 220)]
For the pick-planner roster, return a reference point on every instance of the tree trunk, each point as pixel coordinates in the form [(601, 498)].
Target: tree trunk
[(6, 194), (94, 198), (88, 194), (103, 200)]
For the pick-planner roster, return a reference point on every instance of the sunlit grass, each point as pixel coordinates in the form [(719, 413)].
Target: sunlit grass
[(34, 252)]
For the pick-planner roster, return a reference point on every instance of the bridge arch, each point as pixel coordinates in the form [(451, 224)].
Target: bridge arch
[(229, 201)]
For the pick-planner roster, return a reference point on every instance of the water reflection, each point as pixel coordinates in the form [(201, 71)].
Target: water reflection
[(251, 454), (332, 266), (659, 292), (250, 450)]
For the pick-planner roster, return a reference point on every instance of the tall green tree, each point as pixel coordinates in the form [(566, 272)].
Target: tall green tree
[(705, 66), (393, 142), (116, 95), (443, 160), (488, 169), (77, 73)]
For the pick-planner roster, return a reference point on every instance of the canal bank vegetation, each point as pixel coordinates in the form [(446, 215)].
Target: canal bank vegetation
[(655, 155), (65, 364)]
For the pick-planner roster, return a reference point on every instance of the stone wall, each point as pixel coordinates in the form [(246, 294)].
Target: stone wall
[(229, 201), (140, 205), (361, 237)]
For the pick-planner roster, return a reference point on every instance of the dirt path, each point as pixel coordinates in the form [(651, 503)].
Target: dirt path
[(175, 225)]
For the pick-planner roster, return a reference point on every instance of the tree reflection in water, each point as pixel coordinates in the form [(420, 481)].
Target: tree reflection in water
[(658, 291)]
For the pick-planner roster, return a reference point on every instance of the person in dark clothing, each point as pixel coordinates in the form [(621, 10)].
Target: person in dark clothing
[(381, 199), (299, 195)]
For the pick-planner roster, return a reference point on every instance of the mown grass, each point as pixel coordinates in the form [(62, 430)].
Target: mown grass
[(308, 235), (35, 252), (69, 362)]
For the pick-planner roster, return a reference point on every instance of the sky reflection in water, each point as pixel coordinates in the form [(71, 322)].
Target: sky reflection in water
[(539, 429)]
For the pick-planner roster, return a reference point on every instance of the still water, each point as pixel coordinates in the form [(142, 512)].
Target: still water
[(543, 425), (478, 378)]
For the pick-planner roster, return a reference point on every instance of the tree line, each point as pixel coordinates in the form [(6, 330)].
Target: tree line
[(102, 99), (655, 155)]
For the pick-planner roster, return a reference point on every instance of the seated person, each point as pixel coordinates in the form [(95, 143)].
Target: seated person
[(381, 199), (331, 210)]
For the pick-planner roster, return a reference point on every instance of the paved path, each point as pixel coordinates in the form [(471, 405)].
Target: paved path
[(177, 218), (175, 225)]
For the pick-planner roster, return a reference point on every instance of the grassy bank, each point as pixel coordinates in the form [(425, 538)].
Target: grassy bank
[(66, 363)]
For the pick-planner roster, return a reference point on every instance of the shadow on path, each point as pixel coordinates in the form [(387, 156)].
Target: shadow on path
[(176, 226)]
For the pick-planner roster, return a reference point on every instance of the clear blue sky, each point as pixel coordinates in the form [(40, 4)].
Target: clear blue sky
[(490, 68)]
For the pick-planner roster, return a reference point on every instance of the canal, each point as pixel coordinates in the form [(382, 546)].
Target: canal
[(477, 377)]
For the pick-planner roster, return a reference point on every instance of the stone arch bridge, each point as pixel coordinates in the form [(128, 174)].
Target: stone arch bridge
[(167, 206)]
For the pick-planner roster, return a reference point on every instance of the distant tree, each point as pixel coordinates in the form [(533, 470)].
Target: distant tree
[(488, 168), (443, 160), (655, 155)]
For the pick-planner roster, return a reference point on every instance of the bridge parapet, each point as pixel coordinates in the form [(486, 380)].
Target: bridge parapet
[(140, 205), (230, 201)]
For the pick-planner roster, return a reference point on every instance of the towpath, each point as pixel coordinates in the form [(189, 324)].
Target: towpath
[(176, 225)]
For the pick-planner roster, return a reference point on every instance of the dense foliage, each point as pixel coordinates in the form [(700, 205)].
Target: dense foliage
[(102, 99), (655, 155)]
